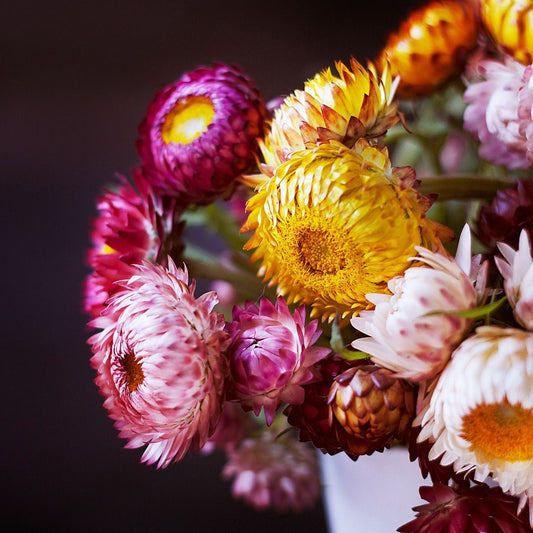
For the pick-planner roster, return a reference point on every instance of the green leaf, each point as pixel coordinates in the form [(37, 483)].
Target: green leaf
[(350, 355), (477, 312)]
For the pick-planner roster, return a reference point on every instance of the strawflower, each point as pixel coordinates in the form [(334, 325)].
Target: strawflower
[(509, 23), (413, 331), (200, 133), (276, 472), (373, 406), (503, 218), (133, 225), (431, 46), (479, 416), (492, 115), (476, 509), (354, 103), (270, 355), (313, 417), (159, 363), (516, 268), (334, 224)]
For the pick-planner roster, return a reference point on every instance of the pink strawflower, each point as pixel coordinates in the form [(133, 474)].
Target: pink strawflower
[(201, 132), (525, 110), (516, 268), (275, 472), (270, 355), (133, 225), (160, 363), (403, 336), (492, 112)]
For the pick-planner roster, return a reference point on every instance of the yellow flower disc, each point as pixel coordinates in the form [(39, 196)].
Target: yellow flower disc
[(501, 431), (510, 24), (189, 118), (355, 103), (334, 224), (430, 46)]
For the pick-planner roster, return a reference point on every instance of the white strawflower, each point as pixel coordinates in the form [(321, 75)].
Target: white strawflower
[(516, 267), (403, 336), (480, 414)]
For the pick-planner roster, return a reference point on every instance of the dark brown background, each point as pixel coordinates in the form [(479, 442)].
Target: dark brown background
[(75, 81)]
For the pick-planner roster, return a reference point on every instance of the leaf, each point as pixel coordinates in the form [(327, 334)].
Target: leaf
[(477, 312)]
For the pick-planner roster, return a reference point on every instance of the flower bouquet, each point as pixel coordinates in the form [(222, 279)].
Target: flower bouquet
[(374, 288)]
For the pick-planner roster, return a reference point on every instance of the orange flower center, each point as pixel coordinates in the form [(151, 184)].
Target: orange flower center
[(133, 371), (187, 120), (502, 431)]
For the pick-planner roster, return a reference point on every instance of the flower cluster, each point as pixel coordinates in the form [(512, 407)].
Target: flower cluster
[(375, 285)]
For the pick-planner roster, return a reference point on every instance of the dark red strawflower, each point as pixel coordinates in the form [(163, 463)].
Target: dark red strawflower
[(437, 472), (475, 509), (510, 211), (312, 418), (373, 406)]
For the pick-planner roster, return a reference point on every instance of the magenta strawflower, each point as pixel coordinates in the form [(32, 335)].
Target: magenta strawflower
[(201, 132), (160, 363), (275, 472), (270, 355), (133, 225)]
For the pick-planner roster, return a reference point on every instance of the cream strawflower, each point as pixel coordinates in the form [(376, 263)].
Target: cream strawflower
[(402, 336), (480, 413), (516, 268), (159, 363)]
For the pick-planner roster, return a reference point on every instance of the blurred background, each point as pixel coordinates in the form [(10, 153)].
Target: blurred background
[(76, 80)]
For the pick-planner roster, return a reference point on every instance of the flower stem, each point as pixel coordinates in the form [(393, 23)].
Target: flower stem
[(465, 186)]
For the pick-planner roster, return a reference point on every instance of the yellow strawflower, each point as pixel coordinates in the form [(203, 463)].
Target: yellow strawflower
[(510, 24), (334, 224), (355, 103)]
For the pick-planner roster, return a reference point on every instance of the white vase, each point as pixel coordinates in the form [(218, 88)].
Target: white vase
[(374, 494)]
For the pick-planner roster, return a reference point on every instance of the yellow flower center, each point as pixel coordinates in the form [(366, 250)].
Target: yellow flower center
[(320, 256), (187, 120), (106, 249), (501, 431), (133, 371), (319, 251)]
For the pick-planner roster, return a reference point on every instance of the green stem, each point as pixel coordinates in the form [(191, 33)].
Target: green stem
[(246, 283), (466, 186)]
